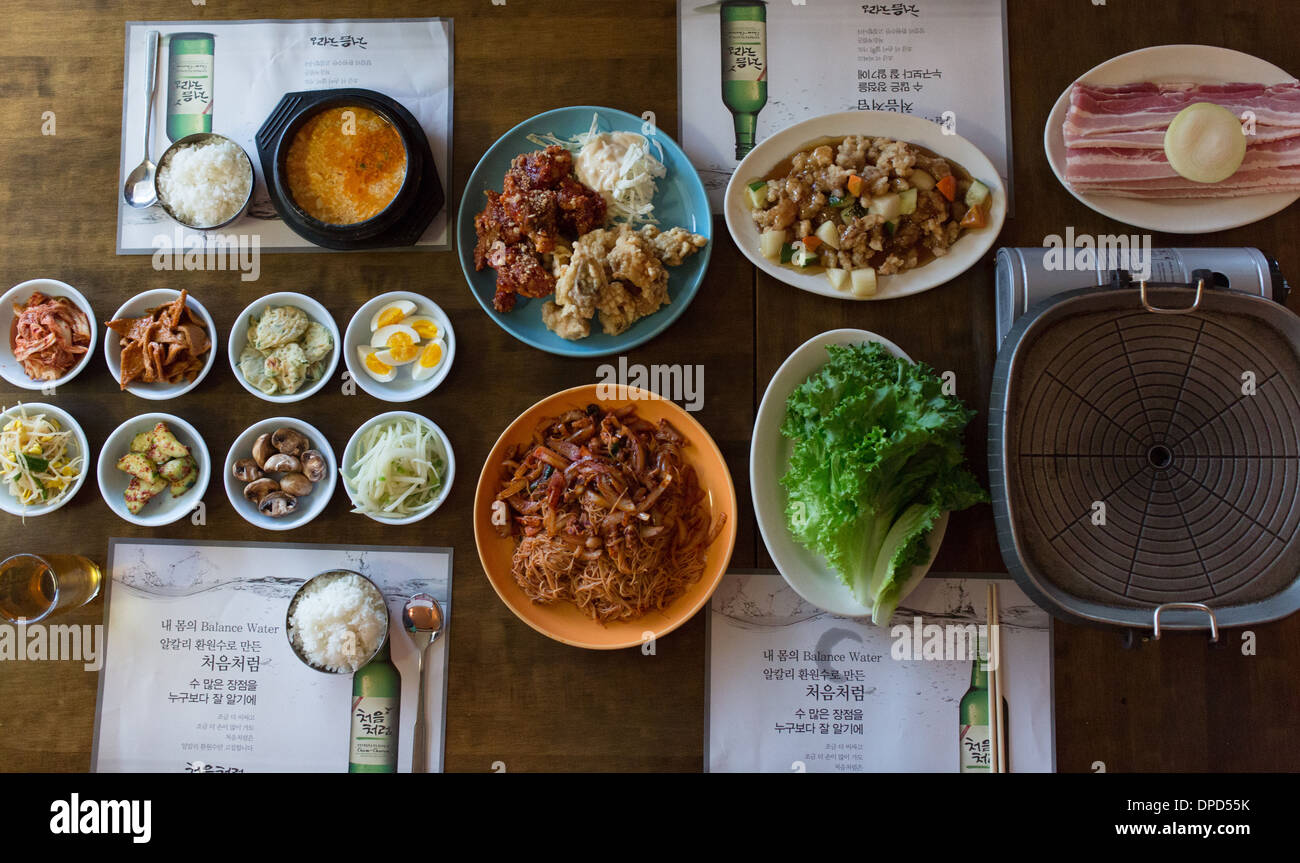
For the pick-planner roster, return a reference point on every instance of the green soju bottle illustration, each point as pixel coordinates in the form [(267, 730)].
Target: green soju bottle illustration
[(974, 719), (376, 705), (189, 84), (744, 66)]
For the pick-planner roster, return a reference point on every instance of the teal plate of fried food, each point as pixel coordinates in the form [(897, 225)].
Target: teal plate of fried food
[(587, 222)]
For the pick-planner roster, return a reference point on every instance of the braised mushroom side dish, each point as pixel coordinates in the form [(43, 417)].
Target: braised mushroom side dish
[(282, 467), (863, 207)]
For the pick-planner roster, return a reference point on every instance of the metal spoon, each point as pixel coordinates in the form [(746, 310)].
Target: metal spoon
[(423, 620), (139, 190)]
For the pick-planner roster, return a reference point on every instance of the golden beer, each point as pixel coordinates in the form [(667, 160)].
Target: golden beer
[(33, 586)]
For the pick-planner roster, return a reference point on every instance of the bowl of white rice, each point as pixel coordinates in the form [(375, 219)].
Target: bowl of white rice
[(337, 621), (204, 181)]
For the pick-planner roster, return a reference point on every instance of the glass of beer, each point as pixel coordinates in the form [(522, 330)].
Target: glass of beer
[(34, 586)]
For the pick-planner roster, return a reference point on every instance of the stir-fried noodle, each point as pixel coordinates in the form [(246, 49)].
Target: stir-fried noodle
[(608, 513)]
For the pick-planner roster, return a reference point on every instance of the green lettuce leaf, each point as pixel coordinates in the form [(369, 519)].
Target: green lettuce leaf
[(877, 458)]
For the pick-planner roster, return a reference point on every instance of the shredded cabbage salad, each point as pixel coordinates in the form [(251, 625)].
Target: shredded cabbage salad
[(398, 469), (633, 193)]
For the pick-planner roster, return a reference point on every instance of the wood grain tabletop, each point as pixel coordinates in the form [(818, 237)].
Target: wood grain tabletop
[(515, 696)]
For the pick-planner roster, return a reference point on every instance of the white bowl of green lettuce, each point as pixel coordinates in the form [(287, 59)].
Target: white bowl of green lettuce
[(852, 499)]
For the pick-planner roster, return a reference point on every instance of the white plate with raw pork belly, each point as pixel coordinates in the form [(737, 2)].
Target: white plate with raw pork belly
[(1115, 161)]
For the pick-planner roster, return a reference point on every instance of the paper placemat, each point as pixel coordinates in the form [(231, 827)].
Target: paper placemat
[(794, 688), (198, 673), (252, 65), (945, 60)]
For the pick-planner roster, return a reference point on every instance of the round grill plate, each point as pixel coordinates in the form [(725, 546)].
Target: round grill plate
[(1150, 458)]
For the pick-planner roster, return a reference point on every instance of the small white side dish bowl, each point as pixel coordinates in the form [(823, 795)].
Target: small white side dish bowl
[(769, 457), (239, 340), (402, 388), (163, 508), (12, 370), (309, 506), (8, 502), (136, 307), (350, 457)]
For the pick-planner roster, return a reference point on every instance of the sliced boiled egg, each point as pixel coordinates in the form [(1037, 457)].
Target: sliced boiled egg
[(391, 313), (398, 341), (374, 365), (426, 326), (429, 361)]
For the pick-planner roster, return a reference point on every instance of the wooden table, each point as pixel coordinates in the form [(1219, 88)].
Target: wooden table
[(515, 696)]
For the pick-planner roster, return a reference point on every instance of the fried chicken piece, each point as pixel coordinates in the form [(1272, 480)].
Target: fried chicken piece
[(491, 225), (579, 283), (514, 216), (565, 321), (620, 273), (675, 244), (519, 271), (540, 169), (540, 204), (535, 213), (639, 285), (581, 209), (633, 260)]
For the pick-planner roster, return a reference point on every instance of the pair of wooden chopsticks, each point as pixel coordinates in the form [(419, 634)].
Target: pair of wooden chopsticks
[(997, 721)]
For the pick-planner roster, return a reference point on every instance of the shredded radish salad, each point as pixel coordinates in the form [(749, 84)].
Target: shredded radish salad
[(398, 469), (629, 186)]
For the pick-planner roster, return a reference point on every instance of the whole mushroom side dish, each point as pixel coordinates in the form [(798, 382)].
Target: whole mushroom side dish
[(281, 468)]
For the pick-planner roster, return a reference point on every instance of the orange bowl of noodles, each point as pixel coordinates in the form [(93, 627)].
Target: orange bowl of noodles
[(604, 522)]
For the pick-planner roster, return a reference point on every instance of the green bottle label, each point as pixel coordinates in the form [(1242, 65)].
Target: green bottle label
[(191, 84), (374, 731), (744, 55), (975, 750)]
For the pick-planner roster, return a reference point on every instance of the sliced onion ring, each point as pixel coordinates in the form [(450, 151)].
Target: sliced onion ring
[(1205, 143)]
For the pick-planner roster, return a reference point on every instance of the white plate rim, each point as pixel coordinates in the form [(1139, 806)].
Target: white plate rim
[(7, 503), (151, 392), (380, 390), (108, 462), (1155, 215), (59, 289), (806, 572), (966, 252), (318, 314), (349, 452), (319, 497)]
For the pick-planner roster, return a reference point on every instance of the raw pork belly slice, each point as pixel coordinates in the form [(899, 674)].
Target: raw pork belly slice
[(1114, 138)]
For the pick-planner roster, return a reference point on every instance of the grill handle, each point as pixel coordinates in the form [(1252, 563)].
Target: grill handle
[(1158, 310), (1188, 606)]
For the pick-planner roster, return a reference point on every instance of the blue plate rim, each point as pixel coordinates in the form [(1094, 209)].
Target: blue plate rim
[(675, 309)]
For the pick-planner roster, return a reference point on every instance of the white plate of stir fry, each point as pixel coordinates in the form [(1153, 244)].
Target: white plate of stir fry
[(42, 458), (865, 205)]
